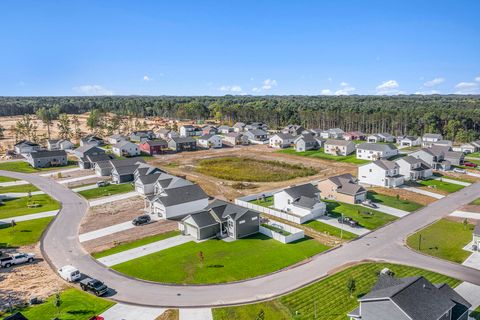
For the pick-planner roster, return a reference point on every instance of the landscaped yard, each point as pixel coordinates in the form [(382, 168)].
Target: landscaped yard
[(322, 155), (264, 202), (7, 179), (135, 244), (328, 298), (109, 190), (24, 233), (222, 261), (366, 217), (75, 305), (393, 202), (19, 206), (252, 170), (441, 185), (330, 230), (443, 239), (22, 166), (23, 188), (476, 202)]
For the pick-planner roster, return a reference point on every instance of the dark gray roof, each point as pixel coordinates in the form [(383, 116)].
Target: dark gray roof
[(183, 140), (305, 202), (383, 147), (476, 231), (156, 143), (307, 190), (338, 142), (202, 219), (122, 144), (222, 210), (182, 194), (285, 136), (99, 157), (257, 132), (432, 136), (149, 178), (116, 163), (206, 136), (346, 184), (386, 164), (48, 154), (88, 147), (26, 143)]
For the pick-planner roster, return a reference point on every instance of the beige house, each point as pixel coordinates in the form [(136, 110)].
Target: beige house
[(339, 147), (342, 188)]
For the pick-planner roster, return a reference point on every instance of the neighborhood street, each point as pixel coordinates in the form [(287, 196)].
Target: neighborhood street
[(61, 246)]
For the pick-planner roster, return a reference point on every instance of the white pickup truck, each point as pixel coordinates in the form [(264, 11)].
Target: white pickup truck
[(17, 258)]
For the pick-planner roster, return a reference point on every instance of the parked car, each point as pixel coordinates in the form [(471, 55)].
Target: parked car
[(369, 203), (470, 164), (102, 183), (69, 273), (348, 221), (143, 219), (95, 286), (459, 170), (17, 258)]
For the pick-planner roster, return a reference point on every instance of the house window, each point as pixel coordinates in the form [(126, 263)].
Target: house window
[(241, 222), (254, 218)]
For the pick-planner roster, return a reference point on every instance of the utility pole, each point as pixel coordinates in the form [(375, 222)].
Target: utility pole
[(419, 242), (341, 229)]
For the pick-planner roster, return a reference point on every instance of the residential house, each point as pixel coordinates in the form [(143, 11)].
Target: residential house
[(301, 200), (354, 135), (476, 237), (59, 144), (256, 135), (116, 138), (126, 149), (152, 147), (470, 147), (339, 147), (47, 158), (335, 133), (209, 129), (91, 140), (210, 141), (190, 131), (383, 173), (87, 150), (104, 166), (381, 137), (439, 157), (235, 138), (443, 143), (316, 132), (221, 219), (225, 129), (167, 134), (142, 136), (124, 171), (414, 168), (239, 127), (256, 126), (182, 144), (25, 146), (294, 129), (375, 151), (307, 142), (145, 178), (343, 188), (429, 138), (410, 141), (281, 140), (411, 298)]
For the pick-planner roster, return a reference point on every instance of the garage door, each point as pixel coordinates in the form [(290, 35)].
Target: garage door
[(191, 231)]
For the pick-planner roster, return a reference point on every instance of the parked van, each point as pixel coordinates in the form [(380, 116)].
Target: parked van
[(69, 273)]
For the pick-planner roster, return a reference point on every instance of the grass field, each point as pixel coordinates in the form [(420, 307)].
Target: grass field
[(135, 244), (393, 202), (322, 155), (223, 261), (476, 202), (329, 298), (18, 206), (251, 170), (443, 239), (441, 185), (330, 230), (267, 202), (109, 190), (18, 189), (7, 179), (370, 221), (22, 166), (75, 305), (24, 233)]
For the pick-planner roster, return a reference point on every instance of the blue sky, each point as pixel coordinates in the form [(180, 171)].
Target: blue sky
[(239, 47)]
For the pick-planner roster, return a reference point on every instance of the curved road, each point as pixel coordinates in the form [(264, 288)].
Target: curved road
[(61, 246)]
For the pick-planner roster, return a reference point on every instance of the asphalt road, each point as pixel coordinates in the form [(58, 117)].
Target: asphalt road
[(61, 246)]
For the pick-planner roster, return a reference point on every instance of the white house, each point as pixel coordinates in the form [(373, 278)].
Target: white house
[(281, 140), (25, 146), (126, 148), (375, 151), (410, 141), (210, 141), (412, 168), (305, 142), (224, 129), (339, 147), (380, 137), (335, 133), (116, 138), (62, 144), (470, 147), (190, 131), (383, 173), (302, 200), (429, 138)]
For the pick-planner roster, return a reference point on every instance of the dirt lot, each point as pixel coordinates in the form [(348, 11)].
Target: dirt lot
[(404, 194), (30, 280), (77, 174), (470, 208), (184, 164)]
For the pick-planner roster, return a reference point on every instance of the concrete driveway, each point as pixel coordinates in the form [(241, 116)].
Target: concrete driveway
[(117, 197), (334, 223), (122, 311), (195, 314), (391, 211)]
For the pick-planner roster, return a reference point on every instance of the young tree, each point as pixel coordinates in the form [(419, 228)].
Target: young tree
[(26, 127), (57, 302), (95, 121), (2, 135), (465, 224), (64, 129), (77, 132), (351, 286), (47, 116), (201, 257)]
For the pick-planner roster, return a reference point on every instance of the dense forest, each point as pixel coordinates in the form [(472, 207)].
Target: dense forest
[(455, 116)]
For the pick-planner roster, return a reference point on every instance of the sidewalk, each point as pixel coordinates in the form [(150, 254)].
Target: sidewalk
[(105, 231), (465, 214), (424, 192), (54, 173), (122, 311), (27, 217), (196, 314), (20, 194), (389, 210), (334, 222), (460, 183), (13, 183), (117, 197), (89, 187), (144, 250), (78, 179)]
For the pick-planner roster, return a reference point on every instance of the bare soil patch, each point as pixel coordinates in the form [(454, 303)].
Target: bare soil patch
[(406, 195)]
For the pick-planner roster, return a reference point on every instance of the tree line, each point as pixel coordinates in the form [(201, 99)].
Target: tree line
[(457, 117)]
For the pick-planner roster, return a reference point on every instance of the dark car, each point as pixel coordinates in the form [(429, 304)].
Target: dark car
[(369, 203), (348, 221), (93, 285), (102, 183), (143, 219)]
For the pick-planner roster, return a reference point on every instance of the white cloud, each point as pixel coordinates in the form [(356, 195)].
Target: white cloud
[(93, 90), (256, 89), (326, 92), (388, 87), (427, 92), (434, 82), (147, 78), (467, 88), (269, 84), (234, 89), (477, 79), (345, 90)]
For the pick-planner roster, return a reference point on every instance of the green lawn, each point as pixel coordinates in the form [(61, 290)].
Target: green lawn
[(24, 233), (252, 170), (7, 179), (18, 189), (329, 298), (223, 262), (330, 230), (135, 244), (393, 202), (267, 202), (359, 213), (18, 206), (22, 166), (476, 314), (474, 155), (322, 155), (75, 305), (441, 185), (443, 239), (109, 190), (476, 202), (438, 174)]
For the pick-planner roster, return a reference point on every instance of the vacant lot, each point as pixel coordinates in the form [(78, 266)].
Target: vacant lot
[(24, 188), (222, 261), (330, 230), (404, 195), (22, 166), (14, 207), (322, 155), (247, 169), (393, 202), (109, 190), (24, 233), (441, 186), (328, 298), (443, 239)]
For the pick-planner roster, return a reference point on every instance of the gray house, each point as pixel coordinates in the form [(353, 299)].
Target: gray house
[(222, 219), (182, 144), (142, 136), (87, 150), (412, 298), (25, 146), (104, 164), (91, 140), (307, 142), (46, 158), (257, 135), (62, 144), (124, 170)]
